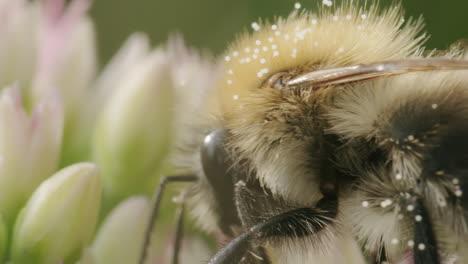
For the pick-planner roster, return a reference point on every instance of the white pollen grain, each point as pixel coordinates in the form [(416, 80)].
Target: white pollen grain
[(458, 193), (274, 27), (385, 203), (259, 74), (297, 5), (394, 241), (227, 58), (230, 72), (247, 50), (340, 50), (335, 18), (314, 21), (273, 47), (363, 16), (286, 37), (348, 17), (434, 106), (365, 204), (254, 56), (418, 218), (271, 40), (327, 2), (247, 60), (262, 61), (421, 246), (398, 176), (455, 181), (258, 42), (256, 51), (275, 53), (255, 26), (229, 82), (410, 243), (265, 48), (235, 97), (235, 54), (411, 137), (410, 208), (277, 33)]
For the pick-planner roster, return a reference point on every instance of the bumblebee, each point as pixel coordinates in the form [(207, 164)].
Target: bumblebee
[(333, 137)]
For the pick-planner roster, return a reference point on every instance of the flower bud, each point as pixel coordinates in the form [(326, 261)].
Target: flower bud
[(59, 219), (67, 62), (3, 239), (133, 131), (121, 236), (29, 148)]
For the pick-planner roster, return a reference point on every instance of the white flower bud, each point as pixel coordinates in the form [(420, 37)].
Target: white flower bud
[(59, 219), (133, 132), (29, 148), (120, 238)]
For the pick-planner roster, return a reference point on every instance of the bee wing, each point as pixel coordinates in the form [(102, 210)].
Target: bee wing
[(363, 72)]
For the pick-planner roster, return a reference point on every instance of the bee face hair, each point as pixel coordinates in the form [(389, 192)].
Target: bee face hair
[(331, 130)]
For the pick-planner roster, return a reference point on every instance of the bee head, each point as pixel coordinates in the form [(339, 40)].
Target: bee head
[(355, 74)]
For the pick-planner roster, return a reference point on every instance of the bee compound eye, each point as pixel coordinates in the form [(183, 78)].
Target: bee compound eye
[(277, 80), (216, 165), (213, 154)]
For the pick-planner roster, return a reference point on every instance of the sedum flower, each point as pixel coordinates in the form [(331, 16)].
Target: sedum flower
[(55, 111), (46, 46), (29, 148), (59, 219), (120, 237), (3, 239), (133, 131)]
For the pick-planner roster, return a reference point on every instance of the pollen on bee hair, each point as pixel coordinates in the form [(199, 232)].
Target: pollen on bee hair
[(255, 26), (410, 208), (327, 2), (304, 38), (398, 176), (421, 246), (297, 5)]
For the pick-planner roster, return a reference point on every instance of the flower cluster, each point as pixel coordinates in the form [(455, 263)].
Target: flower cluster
[(82, 149)]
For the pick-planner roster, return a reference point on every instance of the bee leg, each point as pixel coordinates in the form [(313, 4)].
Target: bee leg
[(294, 223), (155, 208), (179, 233), (425, 245)]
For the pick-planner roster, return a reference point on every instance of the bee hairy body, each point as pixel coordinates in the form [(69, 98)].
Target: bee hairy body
[(379, 163)]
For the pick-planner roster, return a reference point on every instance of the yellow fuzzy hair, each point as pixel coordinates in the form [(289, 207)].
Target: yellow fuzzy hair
[(332, 36)]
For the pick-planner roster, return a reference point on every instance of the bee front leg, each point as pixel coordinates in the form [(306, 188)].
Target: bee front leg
[(294, 223), (155, 208)]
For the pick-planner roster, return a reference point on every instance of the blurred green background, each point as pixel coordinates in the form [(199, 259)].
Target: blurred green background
[(211, 24)]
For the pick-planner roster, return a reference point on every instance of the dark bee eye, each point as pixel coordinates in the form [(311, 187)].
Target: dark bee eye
[(213, 155), (276, 80), (215, 165)]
